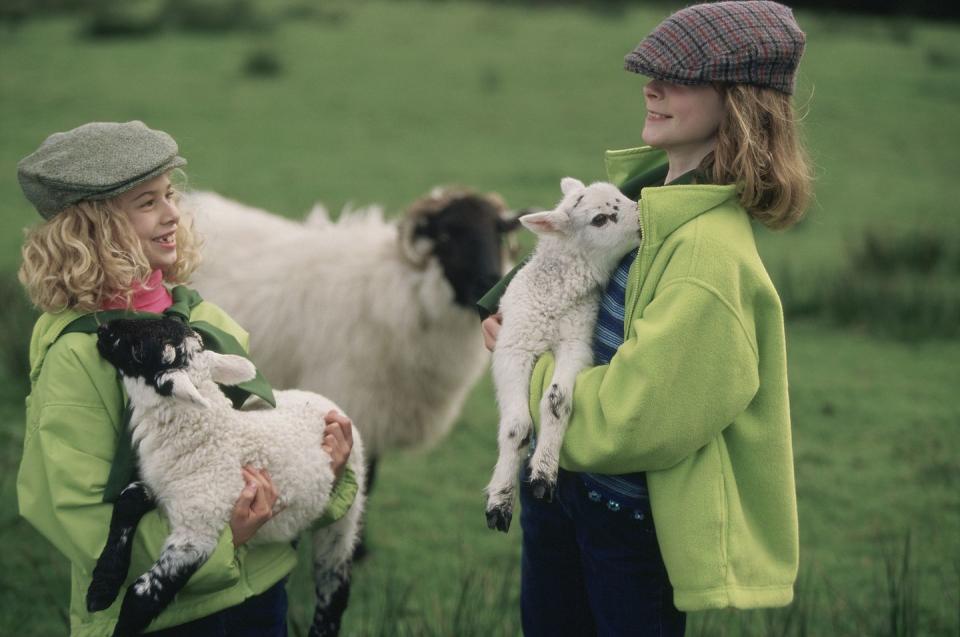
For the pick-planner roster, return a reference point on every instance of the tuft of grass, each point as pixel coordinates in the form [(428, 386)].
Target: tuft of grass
[(132, 18), (262, 63), (211, 16), (16, 324), (904, 285)]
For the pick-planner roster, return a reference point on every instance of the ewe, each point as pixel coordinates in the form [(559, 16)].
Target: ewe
[(551, 304), (191, 445), (379, 315)]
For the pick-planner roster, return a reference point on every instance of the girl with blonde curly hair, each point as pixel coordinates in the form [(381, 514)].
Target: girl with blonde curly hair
[(115, 242)]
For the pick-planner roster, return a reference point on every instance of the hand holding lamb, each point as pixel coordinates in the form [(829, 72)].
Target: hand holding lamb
[(191, 444), (551, 305)]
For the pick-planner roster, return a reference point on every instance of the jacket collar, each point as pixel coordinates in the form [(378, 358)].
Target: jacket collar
[(663, 209)]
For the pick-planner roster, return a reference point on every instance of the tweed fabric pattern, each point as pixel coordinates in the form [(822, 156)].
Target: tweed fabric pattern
[(755, 42), (95, 161)]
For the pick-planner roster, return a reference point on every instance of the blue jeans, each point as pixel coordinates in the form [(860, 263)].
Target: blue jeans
[(590, 567), (263, 615)]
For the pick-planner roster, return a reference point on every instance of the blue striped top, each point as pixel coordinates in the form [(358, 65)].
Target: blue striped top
[(607, 337)]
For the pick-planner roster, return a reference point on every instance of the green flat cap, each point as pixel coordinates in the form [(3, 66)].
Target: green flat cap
[(95, 161)]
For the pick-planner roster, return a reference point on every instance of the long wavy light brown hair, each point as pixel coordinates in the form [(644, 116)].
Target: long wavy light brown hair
[(759, 148), (89, 253)]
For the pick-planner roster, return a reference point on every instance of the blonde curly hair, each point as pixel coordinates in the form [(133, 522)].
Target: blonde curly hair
[(89, 253)]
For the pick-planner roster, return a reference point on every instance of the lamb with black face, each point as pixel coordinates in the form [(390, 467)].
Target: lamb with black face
[(148, 348)]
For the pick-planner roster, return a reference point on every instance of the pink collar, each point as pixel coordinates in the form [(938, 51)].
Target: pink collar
[(151, 296)]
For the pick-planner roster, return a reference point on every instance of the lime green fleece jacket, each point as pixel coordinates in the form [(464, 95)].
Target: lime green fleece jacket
[(74, 416), (696, 397)]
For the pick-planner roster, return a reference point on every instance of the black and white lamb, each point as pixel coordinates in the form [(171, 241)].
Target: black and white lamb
[(378, 314), (551, 305), (191, 445)]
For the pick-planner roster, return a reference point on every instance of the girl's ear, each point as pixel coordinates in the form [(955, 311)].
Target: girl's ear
[(548, 222), (183, 389), (228, 369), (569, 184)]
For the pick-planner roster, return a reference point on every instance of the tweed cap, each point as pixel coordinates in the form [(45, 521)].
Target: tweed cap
[(95, 161), (755, 43)]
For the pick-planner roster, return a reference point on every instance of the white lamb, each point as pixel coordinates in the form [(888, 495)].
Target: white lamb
[(191, 445), (551, 304)]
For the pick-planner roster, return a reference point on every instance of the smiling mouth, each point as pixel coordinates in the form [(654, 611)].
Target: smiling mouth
[(656, 115), (168, 239)]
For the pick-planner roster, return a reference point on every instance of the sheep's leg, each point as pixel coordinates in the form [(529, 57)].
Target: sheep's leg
[(153, 591), (511, 375), (332, 548), (555, 408), (114, 562), (361, 551)]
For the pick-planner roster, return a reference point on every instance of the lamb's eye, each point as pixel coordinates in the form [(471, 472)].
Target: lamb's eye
[(599, 221)]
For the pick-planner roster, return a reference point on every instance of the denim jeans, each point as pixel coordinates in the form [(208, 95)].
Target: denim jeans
[(591, 565), (263, 615)]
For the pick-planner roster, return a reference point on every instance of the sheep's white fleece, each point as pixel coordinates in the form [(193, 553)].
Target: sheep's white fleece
[(334, 307), (190, 458)]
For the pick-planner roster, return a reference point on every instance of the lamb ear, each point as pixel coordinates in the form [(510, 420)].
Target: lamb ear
[(183, 388), (228, 369), (569, 184), (548, 222)]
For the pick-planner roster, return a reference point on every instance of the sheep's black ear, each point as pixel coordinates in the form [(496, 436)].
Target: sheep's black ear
[(511, 224)]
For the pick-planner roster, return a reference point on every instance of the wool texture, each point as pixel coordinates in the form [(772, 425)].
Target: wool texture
[(95, 161), (337, 307)]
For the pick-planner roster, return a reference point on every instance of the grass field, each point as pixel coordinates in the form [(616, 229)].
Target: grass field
[(379, 101)]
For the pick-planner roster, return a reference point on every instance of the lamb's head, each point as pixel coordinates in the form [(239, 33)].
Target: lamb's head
[(163, 360), (598, 218), (464, 231)]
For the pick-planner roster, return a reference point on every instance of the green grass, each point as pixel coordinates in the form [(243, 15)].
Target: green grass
[(377, 101)]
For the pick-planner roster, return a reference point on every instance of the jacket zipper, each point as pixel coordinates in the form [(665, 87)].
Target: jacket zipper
[(628, 317)]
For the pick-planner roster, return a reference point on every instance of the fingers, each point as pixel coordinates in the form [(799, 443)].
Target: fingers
[(265, 491), (247, 494), (340, 427)]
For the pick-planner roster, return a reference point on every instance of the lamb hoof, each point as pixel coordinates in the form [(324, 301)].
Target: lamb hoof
[(543, 489), (499, 518), (101, 595), (136, 613)]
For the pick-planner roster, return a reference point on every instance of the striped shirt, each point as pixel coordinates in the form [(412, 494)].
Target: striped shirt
[(607, 337), (608, 333)]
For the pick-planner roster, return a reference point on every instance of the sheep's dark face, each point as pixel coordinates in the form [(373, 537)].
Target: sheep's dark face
[(465, 233), (149, 349)]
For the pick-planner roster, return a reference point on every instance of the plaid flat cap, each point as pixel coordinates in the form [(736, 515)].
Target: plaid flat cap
[(95, 161), (755, 43)]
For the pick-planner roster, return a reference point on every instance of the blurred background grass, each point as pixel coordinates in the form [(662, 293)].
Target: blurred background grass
[(282, 103)]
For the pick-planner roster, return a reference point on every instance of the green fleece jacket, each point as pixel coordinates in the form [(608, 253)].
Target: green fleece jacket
[(696, 397), (74, 415)]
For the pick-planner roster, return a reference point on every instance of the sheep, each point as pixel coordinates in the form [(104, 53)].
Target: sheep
[(551, 304), (191, 445), (378, 315)]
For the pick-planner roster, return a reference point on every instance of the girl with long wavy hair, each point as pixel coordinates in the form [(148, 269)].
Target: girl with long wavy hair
[(676, 489)]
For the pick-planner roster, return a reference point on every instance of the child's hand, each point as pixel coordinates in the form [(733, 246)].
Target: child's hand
[(254, 506), (491, 328), (337, 440)]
